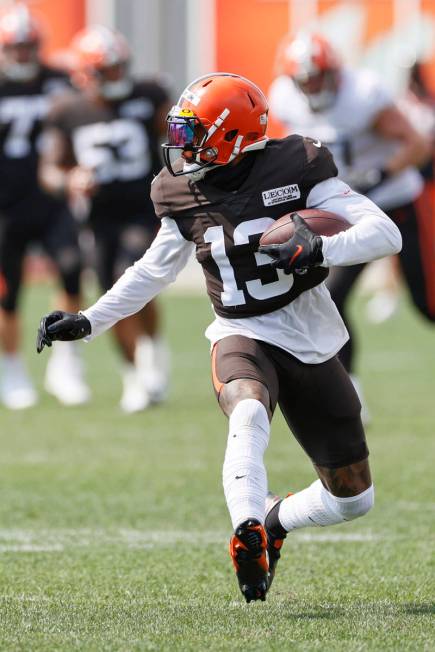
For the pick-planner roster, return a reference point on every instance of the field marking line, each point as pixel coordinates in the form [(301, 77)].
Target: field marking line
[(28, 547), (58, 540)]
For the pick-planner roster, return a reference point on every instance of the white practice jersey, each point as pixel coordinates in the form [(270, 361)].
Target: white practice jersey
[(346, 129), (310, 327), (420, 114)]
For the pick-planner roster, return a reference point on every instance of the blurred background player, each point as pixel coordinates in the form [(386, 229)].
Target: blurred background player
[(27, 214), (418, 103), (104, 151), (375, 147)]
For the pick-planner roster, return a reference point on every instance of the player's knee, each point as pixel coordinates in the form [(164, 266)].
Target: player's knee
[(70, 266), (135, 240), (355, 506), (69, 260), (236, 391)]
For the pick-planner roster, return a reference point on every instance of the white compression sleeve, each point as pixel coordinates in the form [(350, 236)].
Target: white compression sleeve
[(372, 235), (244, 474), (317, 506)]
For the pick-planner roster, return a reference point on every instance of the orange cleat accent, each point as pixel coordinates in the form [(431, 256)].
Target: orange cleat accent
[(248, 550)]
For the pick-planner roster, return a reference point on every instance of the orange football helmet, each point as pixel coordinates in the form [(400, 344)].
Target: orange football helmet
[(101, 57), (313, 64), (217, 117), (20, 38)]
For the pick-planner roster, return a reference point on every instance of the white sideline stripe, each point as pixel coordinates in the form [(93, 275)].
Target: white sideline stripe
[(333, 537), (22, 541), (28, 547)]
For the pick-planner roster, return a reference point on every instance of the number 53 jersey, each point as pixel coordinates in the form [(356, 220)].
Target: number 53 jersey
[(118, 141)]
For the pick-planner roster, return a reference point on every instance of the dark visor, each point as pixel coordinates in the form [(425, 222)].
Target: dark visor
[(181, 132)]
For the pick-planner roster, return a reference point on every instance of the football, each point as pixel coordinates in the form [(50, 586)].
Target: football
[(320, 222)]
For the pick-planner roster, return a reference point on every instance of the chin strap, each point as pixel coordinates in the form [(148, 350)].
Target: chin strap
[(197, 175)]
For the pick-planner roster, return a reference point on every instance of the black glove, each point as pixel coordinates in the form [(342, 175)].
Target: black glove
[(367, 181), (303, 250), (59, 325)]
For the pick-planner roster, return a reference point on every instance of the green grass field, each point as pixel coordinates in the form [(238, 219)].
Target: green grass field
[(113, 529)]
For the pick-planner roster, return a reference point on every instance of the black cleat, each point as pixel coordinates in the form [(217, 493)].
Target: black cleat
[(275, 534), (248, 552)]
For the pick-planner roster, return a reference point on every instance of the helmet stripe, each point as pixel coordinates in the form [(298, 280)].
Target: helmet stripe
[(218, 122)]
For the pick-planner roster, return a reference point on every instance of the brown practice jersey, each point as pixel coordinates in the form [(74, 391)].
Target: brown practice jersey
[(226, 225), (119, 142), (23, 108)]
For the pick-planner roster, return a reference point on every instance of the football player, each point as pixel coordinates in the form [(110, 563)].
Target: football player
[(419, 104), (104, 150), (276, 330), (375, 147), (27, 87)]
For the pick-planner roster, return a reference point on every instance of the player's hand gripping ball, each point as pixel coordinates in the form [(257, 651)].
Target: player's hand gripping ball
[(293, 241)]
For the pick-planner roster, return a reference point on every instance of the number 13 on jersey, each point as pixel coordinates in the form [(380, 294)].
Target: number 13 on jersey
[(232, 294)]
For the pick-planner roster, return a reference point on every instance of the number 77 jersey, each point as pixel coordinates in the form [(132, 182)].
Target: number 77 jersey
[(23, 108), (226, 225)]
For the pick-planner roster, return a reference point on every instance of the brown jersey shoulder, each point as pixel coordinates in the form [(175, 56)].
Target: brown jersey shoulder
[(178, 196)]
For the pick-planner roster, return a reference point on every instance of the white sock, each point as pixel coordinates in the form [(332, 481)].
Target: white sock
[(13, 363), (153, 361), (315, 506), (244, 474), (12, 358)]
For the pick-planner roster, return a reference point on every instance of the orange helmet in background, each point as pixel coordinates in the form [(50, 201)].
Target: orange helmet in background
[(20, 39), (314, 66), (101, 57), (217, 117)]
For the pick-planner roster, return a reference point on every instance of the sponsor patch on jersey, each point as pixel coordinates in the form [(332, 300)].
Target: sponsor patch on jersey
[(281, 195)]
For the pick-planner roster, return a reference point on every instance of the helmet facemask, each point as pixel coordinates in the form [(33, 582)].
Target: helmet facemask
[(113, 82), (102, 63), (20, 39), (320, 88), (314, 67), (20, 61), (187, 137)]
